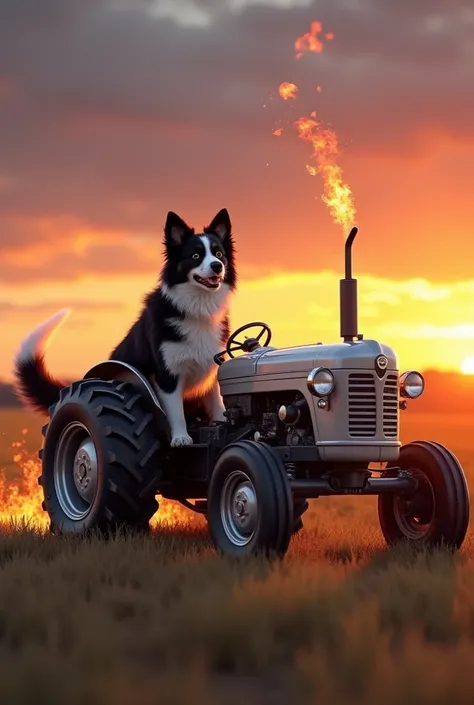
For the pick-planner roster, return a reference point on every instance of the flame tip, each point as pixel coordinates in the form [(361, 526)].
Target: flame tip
[(323, 139)]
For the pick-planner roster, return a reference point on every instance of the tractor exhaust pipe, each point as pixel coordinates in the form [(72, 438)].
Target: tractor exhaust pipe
[(348, 295)]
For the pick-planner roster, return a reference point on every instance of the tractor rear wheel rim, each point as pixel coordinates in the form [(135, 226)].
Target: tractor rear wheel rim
[(239, 508), (414, 513), (75, 471)]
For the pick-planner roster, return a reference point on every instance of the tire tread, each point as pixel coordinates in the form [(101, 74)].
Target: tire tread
[(130, 444), (455, 502), (274, 537)]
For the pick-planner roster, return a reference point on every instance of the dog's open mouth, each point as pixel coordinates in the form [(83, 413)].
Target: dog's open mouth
[(208, 282)]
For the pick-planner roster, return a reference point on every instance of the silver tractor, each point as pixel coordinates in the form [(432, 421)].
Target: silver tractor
[(302, 422)]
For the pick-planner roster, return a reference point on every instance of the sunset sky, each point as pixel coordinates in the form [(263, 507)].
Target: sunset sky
[(114, 112)]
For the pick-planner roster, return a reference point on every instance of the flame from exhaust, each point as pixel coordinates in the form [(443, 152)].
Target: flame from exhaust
[(337, 194), (310, 41), (324, 142), (21, 497), (287, 90)]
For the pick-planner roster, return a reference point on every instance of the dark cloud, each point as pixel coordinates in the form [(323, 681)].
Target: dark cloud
[(110, 115), (95, 259)]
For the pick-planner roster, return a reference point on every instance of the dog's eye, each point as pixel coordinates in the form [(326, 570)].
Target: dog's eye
[(219, 255), (195, 255)]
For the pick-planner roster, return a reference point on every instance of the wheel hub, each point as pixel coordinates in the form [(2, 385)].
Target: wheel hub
[(85, 470), (239, 509), (245, 505), (415, 512), (75, 471)]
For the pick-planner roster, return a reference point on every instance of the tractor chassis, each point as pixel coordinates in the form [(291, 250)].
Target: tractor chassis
[(188, 470)]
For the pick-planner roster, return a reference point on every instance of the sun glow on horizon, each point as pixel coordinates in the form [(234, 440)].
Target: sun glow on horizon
[(390, 310), (467, 365)]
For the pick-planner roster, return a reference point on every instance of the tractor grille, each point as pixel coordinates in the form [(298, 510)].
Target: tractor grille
[(390, 406), (362, 405)]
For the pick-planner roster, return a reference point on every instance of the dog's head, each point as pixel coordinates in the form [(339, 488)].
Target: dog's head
[(204, 260)]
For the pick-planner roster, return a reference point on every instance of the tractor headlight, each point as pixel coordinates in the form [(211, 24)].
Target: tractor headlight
[(412, 384), (320, 382)]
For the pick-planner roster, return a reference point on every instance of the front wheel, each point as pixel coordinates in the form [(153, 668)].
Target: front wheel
[(437, 513), (250, 507)]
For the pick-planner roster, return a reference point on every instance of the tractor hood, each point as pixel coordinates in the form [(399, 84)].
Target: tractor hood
[(359, 354)]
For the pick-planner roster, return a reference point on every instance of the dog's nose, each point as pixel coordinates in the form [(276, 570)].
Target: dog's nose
[(216, 267)]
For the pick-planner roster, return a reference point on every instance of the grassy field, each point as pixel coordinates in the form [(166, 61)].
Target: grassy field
[(163, 620)]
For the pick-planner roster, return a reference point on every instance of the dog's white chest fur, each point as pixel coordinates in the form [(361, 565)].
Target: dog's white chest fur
[(193, 357)]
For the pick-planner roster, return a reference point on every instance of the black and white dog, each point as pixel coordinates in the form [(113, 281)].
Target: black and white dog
[(184, 322)]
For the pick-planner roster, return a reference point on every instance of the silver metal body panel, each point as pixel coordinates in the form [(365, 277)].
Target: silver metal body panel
[(358, 354), (361, 420)]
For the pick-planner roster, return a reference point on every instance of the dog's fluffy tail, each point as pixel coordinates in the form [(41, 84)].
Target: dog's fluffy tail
[(34, 384)]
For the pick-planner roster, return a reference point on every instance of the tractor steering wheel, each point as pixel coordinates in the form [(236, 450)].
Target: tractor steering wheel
[(249, 344)]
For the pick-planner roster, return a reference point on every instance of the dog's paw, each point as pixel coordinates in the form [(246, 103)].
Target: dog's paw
[(183, 440)]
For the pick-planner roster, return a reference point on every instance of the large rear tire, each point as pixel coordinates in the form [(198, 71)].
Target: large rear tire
[(250, 507), (100, 459), (438, 511)]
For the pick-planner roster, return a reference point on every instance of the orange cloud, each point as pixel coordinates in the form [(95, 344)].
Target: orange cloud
[(429, 325), (99, 149)]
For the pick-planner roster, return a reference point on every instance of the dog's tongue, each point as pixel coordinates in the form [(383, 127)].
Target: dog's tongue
[(214, 280)]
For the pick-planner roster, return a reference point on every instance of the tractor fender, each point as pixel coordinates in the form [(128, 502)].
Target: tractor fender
[(122, 371)]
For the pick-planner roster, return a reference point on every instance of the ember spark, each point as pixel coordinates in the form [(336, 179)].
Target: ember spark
[(310, 41), (287, 90)]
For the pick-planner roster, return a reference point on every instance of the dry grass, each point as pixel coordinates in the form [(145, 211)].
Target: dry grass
[(163, 620)]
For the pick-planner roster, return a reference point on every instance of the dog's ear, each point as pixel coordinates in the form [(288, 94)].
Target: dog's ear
[(220, 225), (176, 230)]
